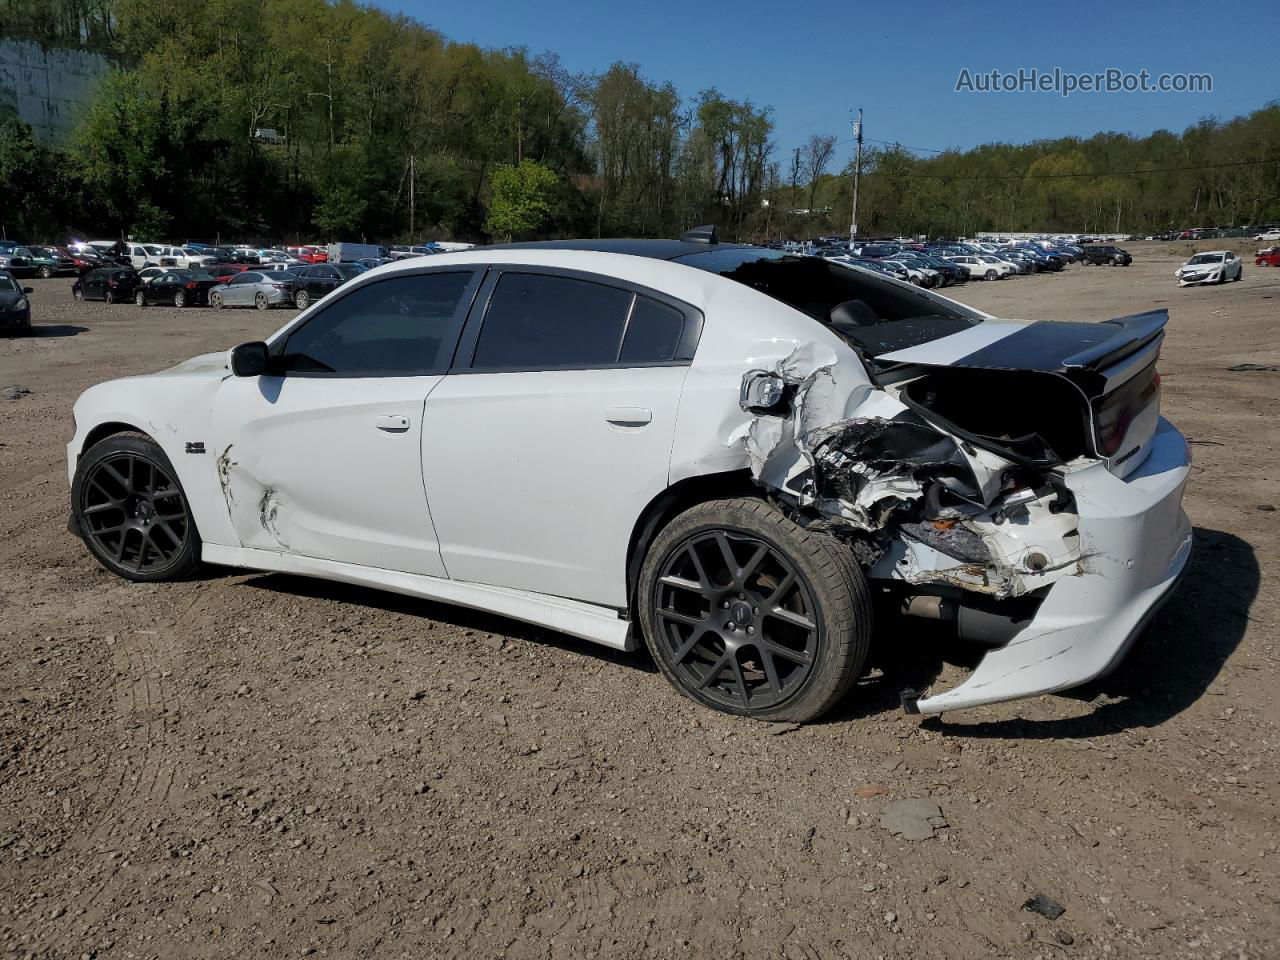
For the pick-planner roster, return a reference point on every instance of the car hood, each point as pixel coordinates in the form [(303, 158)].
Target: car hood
[(8, 298)]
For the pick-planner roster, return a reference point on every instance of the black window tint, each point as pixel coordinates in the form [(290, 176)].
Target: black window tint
[(653, 333), (537, 321), (399, 327)]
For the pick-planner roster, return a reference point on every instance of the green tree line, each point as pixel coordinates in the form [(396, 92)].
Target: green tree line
[(1215, 173), (282, 119)]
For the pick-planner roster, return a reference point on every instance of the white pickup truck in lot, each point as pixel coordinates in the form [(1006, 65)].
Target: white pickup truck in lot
[(743, 458)]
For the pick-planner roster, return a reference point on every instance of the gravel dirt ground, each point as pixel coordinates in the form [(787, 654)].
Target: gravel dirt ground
[(262, 765)]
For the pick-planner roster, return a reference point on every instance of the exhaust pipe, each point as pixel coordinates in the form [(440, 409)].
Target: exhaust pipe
[(990, 624)]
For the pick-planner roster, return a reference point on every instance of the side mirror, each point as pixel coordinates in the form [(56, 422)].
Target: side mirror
[(250, 359), (28, 290)]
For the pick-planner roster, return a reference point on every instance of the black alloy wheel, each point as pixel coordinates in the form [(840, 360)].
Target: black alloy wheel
[(746, 612), (737, 620), (132, 512)]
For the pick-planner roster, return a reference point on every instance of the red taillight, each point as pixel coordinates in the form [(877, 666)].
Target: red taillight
[(1118, 411), (191, 284)]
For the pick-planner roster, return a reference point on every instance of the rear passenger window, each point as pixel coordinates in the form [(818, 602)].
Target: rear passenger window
[(536, 321), (653, 332), (399, 327)]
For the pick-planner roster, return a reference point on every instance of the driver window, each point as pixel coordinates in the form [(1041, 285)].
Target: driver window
[(398, 327)]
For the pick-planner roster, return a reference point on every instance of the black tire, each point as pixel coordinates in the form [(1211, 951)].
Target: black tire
[(45, 272), (78, 294), (108, 298), (215, 301), (302, 299), (1240, 275), (140, 298), (260, 301), (810, 578), (180, 298), (132, 512), (991, 275)]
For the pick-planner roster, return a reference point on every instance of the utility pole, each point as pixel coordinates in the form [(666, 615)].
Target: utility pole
[(857, 173), (412, 171)]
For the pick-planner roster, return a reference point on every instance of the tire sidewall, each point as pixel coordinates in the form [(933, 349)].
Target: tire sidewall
[(187, 560), (834, 631)]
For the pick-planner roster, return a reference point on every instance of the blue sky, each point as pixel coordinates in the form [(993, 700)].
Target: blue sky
[(900, 61)]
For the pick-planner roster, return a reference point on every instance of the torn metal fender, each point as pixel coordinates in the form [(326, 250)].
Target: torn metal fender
[(1138, 540)]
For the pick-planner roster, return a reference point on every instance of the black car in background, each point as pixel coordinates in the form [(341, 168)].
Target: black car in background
[(313, 282), (1106, 253), (181, 288), (15, 308), (112, 284)]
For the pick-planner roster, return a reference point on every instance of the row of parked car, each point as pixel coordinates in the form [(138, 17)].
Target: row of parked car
[(944, 263), (218, 285)]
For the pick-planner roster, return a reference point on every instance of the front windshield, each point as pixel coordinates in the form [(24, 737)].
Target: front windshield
[(7, 283), (1206, 258)]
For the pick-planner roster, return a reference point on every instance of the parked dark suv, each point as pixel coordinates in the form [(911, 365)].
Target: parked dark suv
[(1105, 253), (112, 284)]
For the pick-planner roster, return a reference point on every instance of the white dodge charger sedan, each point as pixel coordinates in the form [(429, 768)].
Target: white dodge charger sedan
[(740, 457)]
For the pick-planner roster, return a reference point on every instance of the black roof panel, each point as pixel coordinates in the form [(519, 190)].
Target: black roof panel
[(656, 249)]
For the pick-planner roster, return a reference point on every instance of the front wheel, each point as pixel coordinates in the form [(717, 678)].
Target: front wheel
[(215, 301), (45, 273), (1240, 275), (78, 294), (992, 275), (746, 612), (131, 510)]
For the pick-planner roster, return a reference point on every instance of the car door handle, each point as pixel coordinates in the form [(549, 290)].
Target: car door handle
[(393, 424), (629, 416)]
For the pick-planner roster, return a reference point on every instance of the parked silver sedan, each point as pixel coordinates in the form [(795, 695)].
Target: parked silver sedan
[(254, 288)]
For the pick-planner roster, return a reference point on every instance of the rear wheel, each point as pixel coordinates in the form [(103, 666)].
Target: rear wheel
[(746, 612), (302, 299), (215, 301), (109, 298), (131, 511), (45, 273), (180, 298), (260, 301), (78, 294), (140, 298), (1240, 275)]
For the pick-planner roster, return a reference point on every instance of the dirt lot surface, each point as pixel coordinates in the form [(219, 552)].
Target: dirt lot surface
[(260, 765)]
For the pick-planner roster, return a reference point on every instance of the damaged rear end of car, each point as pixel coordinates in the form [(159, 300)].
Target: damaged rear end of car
[(1012, 478)]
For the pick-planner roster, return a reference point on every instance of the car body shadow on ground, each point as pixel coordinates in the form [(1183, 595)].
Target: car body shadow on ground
[(1171, 666), (56, 330)]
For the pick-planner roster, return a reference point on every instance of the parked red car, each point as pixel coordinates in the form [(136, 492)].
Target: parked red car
[(309, 254), (1268, 258)]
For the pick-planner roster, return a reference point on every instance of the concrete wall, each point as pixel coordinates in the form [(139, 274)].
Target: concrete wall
[(48, 87)]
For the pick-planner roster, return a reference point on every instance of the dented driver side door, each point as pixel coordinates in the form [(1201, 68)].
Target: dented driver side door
[(322, 458)]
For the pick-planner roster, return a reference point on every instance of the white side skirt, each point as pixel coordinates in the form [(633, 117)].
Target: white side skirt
[(585, 620)]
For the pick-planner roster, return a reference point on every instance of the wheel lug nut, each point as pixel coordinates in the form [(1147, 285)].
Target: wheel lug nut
[(725, 605), (751, 630), (755, 611), (731, 625)]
